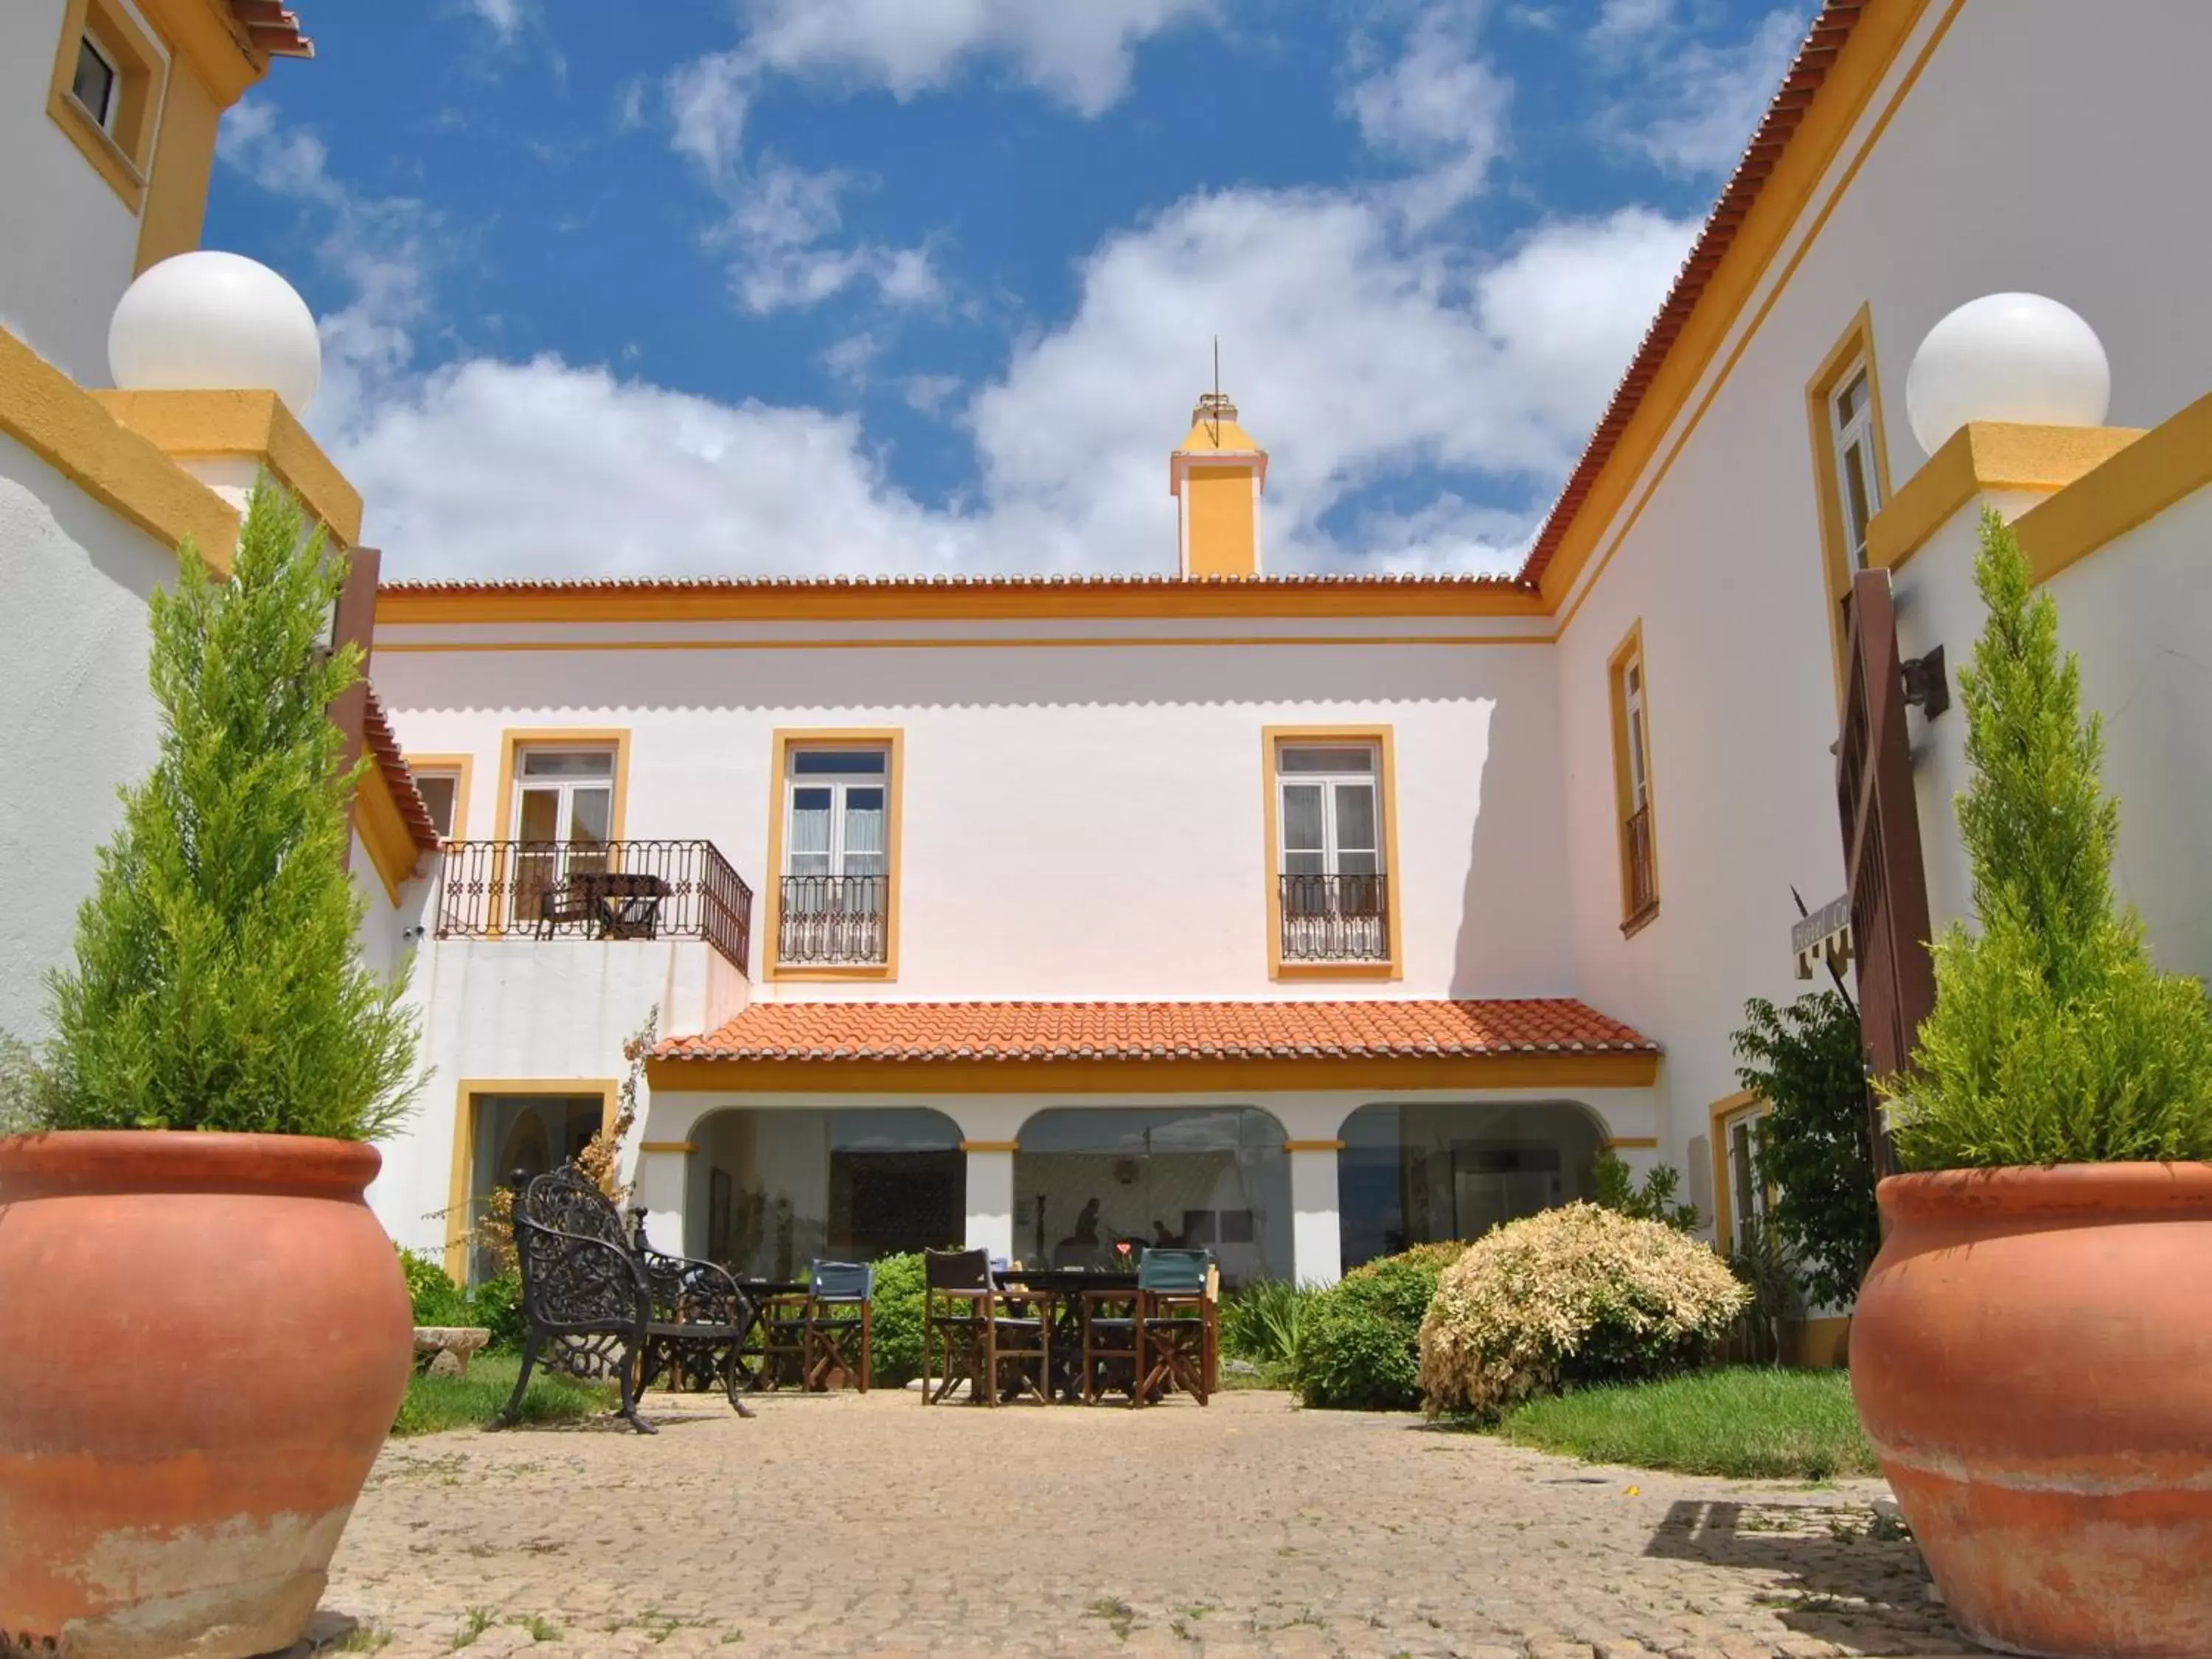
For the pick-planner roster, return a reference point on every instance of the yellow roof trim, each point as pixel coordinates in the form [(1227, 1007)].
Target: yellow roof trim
[(207, 34), (53, 417), (924, 601), (253, 425), (1875, 41), (1986, 458), (383, 831), (2128, 488)]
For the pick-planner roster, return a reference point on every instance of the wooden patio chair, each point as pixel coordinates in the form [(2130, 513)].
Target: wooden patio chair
[(839, 1334), (1173, 1321), (956, 1310)]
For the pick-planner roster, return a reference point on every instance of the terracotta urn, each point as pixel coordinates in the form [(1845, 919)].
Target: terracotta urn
[(2032, 1356), (204, 1339)]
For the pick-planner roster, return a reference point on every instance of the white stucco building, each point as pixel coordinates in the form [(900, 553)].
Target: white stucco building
[(108, 112), (1300, 918)]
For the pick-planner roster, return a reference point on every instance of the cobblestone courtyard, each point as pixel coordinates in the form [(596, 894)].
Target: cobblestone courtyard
[(843, 1525)]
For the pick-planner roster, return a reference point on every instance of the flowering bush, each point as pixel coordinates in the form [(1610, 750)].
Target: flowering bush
[(1575, 1295), (1356, 1340)]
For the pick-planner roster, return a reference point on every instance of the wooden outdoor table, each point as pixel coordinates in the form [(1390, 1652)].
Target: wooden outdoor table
[(1058, 1292), (757, 1294), (625, 904)]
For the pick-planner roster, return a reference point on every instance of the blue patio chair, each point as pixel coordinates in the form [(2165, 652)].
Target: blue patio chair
[(839, 1318)]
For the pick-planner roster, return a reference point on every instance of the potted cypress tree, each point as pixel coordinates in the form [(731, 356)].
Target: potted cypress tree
[(205, 1334), (2032, 1350)]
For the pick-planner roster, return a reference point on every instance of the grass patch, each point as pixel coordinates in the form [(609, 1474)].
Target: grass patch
[(434, 1404), (1748, 1422)]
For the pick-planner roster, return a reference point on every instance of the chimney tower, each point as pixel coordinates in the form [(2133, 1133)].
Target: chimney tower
[(1216, 478)]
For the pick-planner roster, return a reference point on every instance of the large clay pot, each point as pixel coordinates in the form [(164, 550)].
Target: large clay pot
[(203, 1339), (2033, 1359)]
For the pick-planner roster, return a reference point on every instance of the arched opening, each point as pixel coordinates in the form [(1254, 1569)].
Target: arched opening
[(769, 1190), (1421, 1172), (1214, 1178)]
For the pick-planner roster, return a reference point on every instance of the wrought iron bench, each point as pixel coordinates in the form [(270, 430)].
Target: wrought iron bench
[(602, 1304)]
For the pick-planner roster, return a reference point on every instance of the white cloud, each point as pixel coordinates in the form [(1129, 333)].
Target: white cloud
[(1079, 51), (1440, 106), (504, 17), (1354, 359), (1690, 104)]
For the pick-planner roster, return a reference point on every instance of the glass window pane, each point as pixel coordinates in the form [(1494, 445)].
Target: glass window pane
[(864, 822), (568, 764), (1302, 818), (591, 816), (1357, 863), (1348, 759), (436, 789), (1355, 817), (810, 827), (1851, 399), (94, 85), (1857, 505), (839, 763), (540, 818)]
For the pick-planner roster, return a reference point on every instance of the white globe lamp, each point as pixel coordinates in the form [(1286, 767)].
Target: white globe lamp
[(215, 322), (2007, 357)]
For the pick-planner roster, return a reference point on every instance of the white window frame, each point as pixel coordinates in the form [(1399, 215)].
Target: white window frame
[(1856, 434), (1328, 782), (1638, 736), (451, 775), (1741, 1179), (564, 818), (840, 784), (102, 118)]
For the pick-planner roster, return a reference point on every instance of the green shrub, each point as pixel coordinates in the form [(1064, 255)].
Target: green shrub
[(437, 1299), (1358, 1340), (1811, 1150), (218, 981), (496, 1304), (1654, 1201), (1575, 1295), (895, 1334), (1260, 1321), (2054, 1039)]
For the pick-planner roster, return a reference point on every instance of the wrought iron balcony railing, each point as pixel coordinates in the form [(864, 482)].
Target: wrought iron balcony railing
[(618, 890), (833, 921), (1335, 918), (1643, 890)]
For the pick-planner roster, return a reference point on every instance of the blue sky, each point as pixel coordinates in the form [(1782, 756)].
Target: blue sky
[(823, 286)]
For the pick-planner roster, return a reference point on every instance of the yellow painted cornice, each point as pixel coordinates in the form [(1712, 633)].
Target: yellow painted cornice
[(383, 832), (891, 601), (1090, 1076), (252, 426), (206, 36), (2134, 485), (56, 419), (1986, 458)]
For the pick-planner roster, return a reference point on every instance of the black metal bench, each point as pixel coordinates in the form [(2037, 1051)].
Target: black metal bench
[(601, 1304)]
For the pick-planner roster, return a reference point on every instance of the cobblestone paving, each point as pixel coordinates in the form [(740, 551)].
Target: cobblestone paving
[(843, 1525)]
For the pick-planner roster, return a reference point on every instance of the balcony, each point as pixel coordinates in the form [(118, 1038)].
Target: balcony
[(1335, 918), (833, 921), (623, 890)]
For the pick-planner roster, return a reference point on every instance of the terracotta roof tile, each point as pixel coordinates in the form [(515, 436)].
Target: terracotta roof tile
[(377, 738), (1823, 41), (1050, 1031)]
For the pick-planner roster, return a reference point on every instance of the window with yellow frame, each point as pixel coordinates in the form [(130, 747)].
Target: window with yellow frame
[(1628, 691), (1851, 462), (105, 93)]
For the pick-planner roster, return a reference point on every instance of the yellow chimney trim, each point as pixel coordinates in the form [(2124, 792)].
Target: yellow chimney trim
[(243, 426), (54, 418), (1251, 459)]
